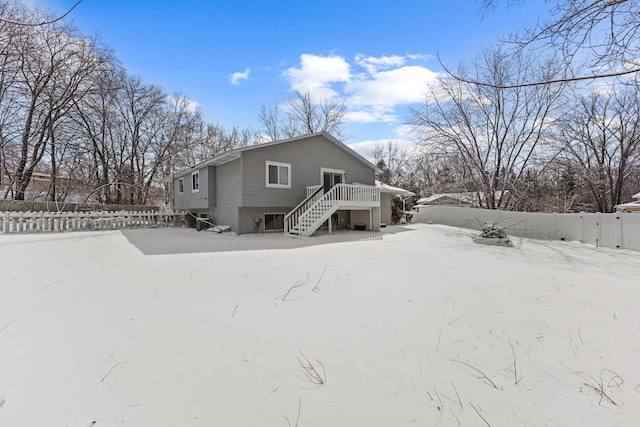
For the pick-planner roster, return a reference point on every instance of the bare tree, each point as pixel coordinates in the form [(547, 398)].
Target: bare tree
[(496, 134), (53, 67), (302, 116), (594, 39), (8, 103), (140, 109), (431, 172), (269, 117), (97, 122), (67, 109), (600, 142), (393, 160)]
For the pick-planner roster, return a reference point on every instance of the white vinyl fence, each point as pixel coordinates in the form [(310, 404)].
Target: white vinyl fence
[(37, 222), (611, 230)]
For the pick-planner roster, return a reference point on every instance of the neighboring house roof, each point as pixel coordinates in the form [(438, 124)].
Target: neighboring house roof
[(234, 154), (462, 198), (635, 205), (385, 188), (631, 206)]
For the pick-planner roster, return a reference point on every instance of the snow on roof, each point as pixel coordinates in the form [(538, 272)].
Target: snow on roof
[(632, 205), (470, 197), (463, 197), (385, 188), (636, 196)]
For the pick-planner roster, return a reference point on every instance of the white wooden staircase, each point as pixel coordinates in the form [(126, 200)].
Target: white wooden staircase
[(313, 211)]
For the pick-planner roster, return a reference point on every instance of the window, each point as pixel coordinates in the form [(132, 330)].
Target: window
[(195, 182), (181, 185), (278, 175), (274, 222)]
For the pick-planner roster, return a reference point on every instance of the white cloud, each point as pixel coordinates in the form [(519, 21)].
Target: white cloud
[(236, 77), (316, 74), (371, 115), (366, 148), (403, 85), (372, 63), (420, 56), (374, 86), (406, 132)]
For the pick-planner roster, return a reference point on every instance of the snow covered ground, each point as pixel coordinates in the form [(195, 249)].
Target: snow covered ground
[(413, 326)]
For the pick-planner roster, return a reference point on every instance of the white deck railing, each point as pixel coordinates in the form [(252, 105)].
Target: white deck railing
[(351, 195), (46, 222)]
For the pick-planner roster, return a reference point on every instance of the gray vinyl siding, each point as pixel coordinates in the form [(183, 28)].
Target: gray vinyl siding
[(211, 185), (228, 194), (307, 157), (247, 217), (188, 200), (386, 200), (234, 192)]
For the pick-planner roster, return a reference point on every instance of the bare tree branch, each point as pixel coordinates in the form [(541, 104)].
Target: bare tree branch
[(37, 24), (537, 83)]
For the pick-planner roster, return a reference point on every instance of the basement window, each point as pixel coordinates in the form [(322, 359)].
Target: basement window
[(274, 222)]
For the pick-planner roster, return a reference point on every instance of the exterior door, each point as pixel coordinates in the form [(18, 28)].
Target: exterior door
[(329, 179)]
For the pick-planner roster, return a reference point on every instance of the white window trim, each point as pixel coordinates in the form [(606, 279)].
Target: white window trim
[(287, 165), (181, 185), (195, 190)]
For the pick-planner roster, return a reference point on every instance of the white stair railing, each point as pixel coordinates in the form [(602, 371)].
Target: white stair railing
[(339, 196), (293, 217)]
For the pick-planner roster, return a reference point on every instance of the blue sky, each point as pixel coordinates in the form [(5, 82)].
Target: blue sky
[(231, 57)]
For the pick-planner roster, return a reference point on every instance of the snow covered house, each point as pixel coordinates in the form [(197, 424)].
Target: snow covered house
[(294, 185), (467, 199), (449, 199), (631, 206)]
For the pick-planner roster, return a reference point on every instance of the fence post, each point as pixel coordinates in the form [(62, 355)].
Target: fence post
[(618, 231), (598, 228)]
